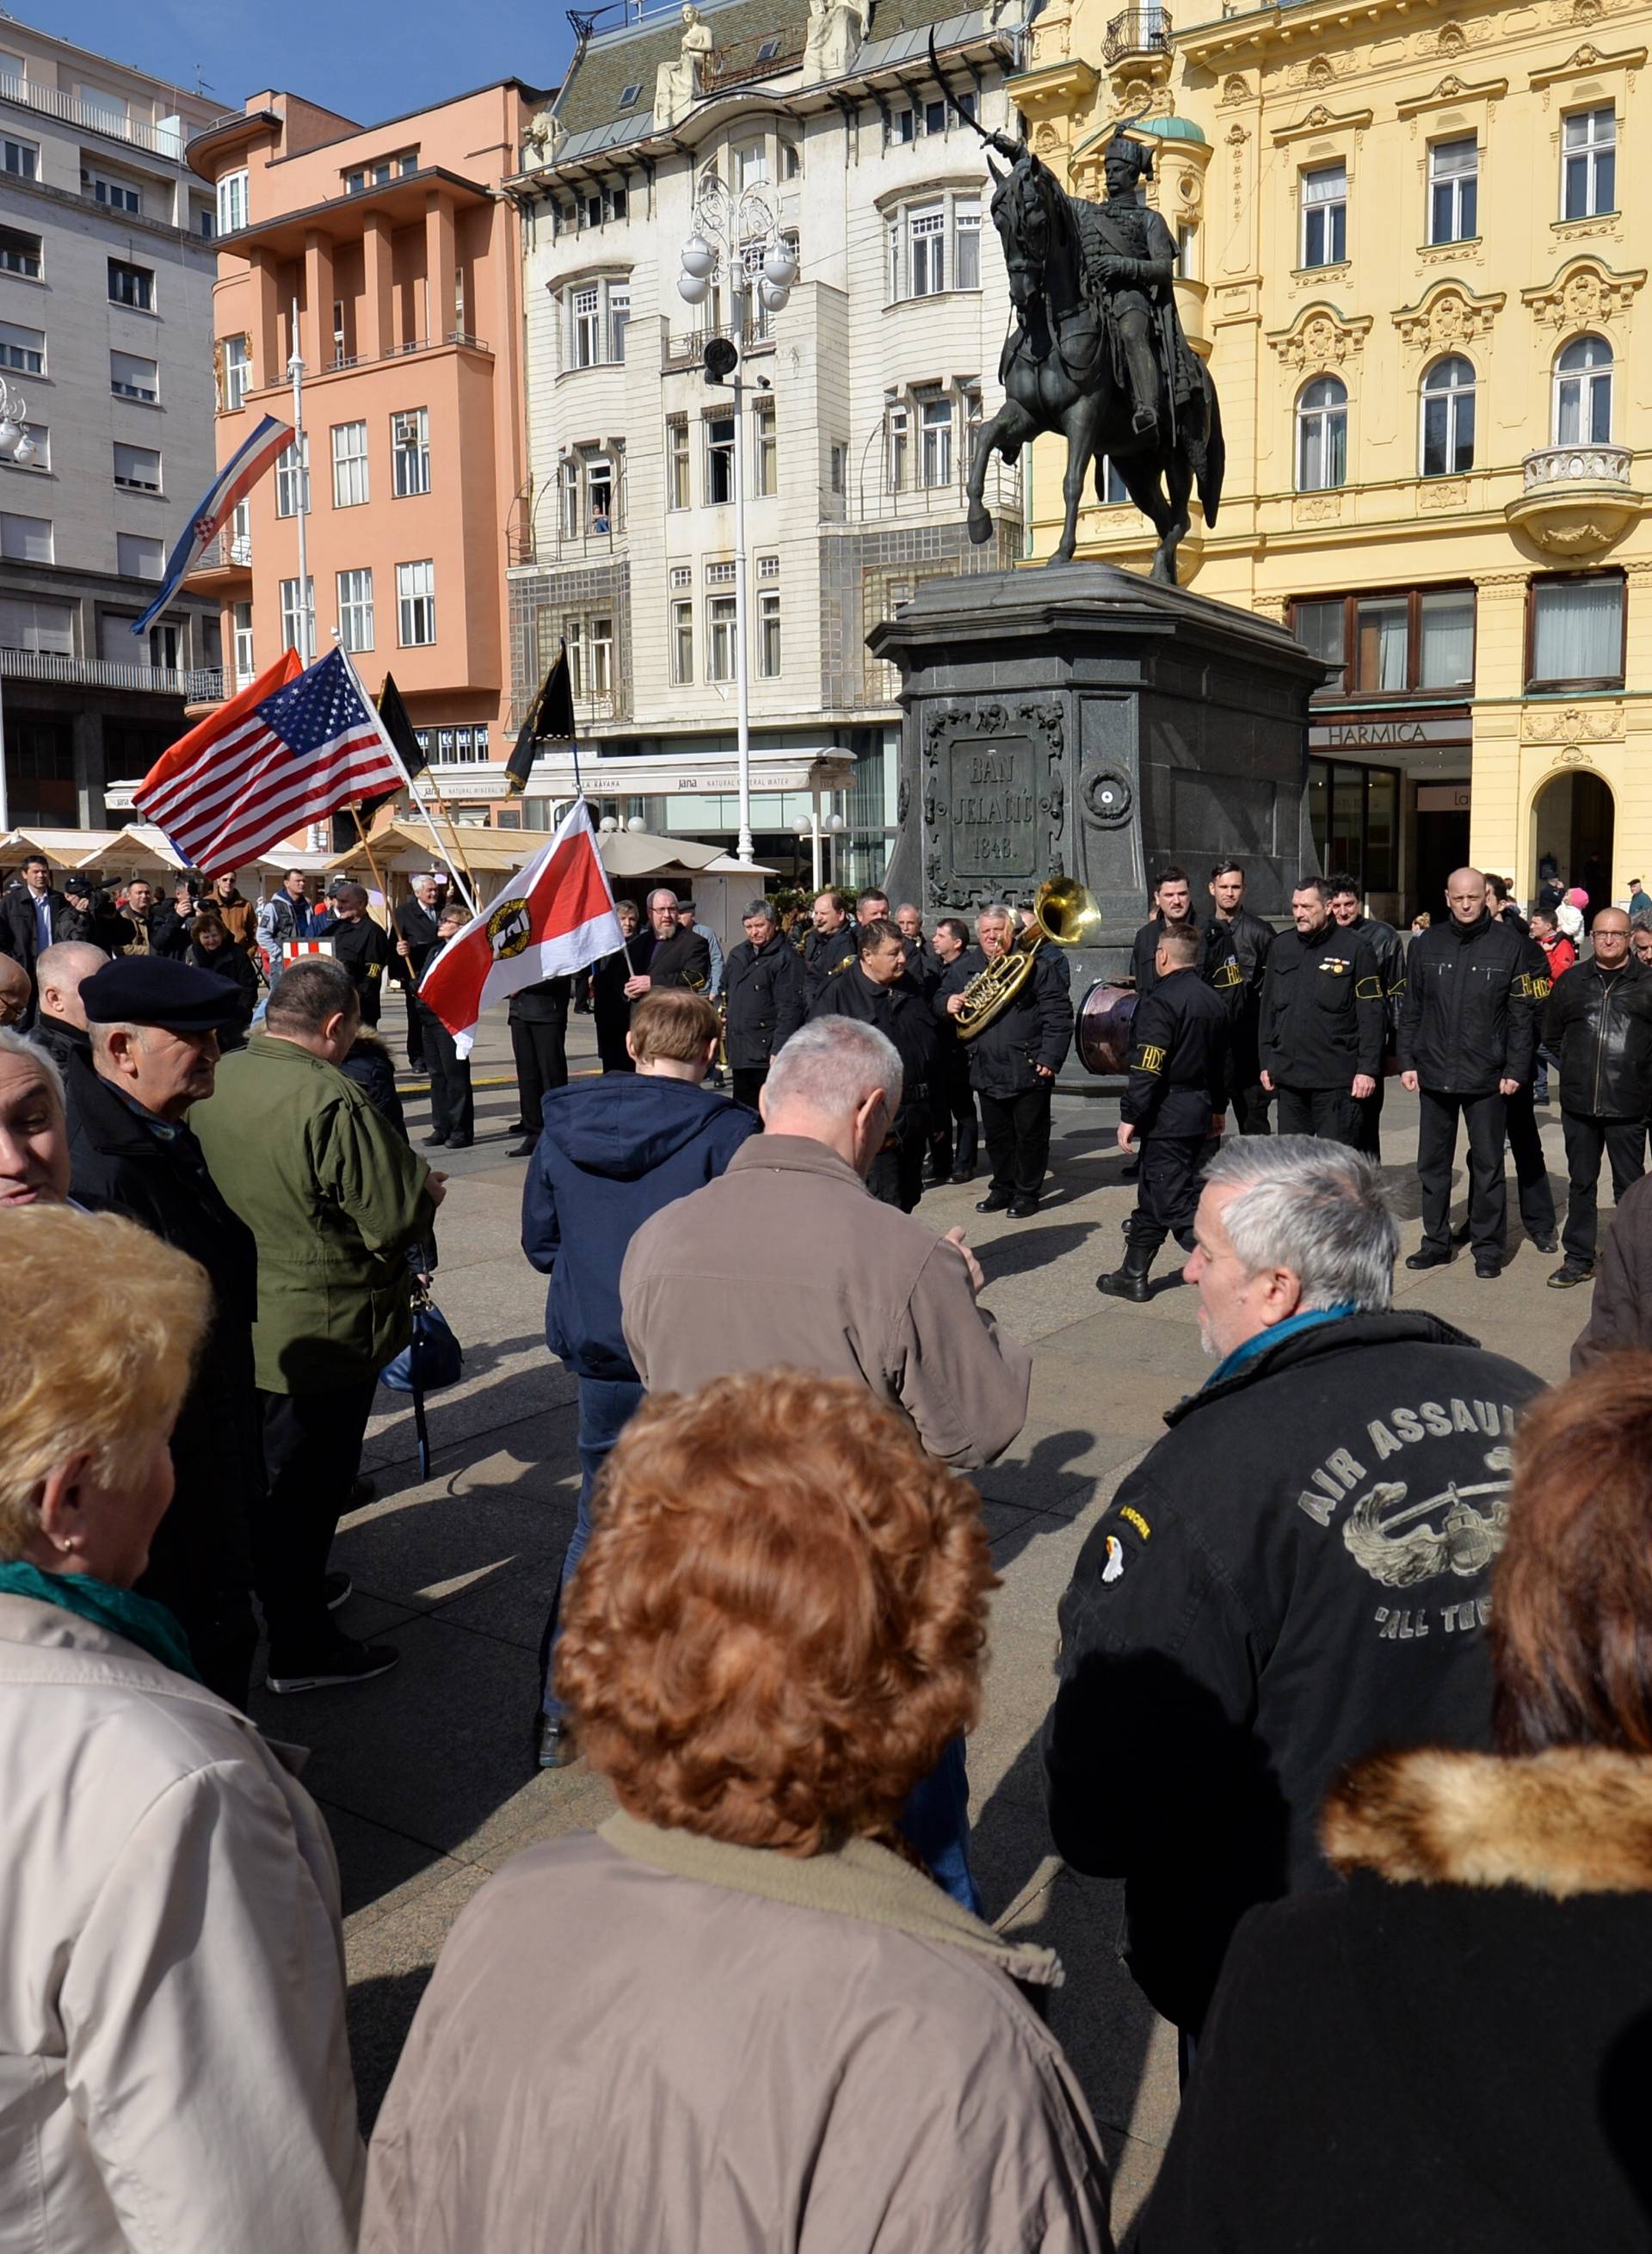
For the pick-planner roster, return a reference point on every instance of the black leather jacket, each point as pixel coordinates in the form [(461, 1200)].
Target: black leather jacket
[(1599, 1022), (1467, 1020)]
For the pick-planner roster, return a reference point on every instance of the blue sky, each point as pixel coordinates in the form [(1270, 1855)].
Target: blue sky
[(369, 59)]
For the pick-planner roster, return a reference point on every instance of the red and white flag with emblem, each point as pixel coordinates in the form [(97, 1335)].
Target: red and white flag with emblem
[(555, 917)]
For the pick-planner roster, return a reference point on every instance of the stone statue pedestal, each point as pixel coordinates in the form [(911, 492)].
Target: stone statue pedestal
[(1082, 718)]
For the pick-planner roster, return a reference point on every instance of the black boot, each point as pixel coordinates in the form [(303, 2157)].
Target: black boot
[(1129, 1280)]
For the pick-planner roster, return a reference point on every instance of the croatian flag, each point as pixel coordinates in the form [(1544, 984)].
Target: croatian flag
[(211, 513), (554, 920)]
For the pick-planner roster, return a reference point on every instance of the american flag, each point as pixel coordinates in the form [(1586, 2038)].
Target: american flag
[(285, 751)]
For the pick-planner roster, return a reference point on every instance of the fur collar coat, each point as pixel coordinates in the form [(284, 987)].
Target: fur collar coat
[(1454, 2051)]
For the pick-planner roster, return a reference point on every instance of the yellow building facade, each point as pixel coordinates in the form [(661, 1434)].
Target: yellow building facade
[(1414, 242)]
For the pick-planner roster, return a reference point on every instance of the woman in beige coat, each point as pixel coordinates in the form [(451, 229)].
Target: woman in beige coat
[(738, 2019), (173, 2072)]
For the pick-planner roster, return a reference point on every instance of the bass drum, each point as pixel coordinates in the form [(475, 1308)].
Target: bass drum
[(1105, 1018)]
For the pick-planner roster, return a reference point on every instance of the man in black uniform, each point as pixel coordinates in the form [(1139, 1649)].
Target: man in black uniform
[(681, 959), (922, 962), (1465, 1044), (1323, 1021), (537, 1015), (1173, 1101), (878, 992), (1012, 1062), (828, 944), (1251, 939), (361, 947), (952, 1133), (453, 1101), (766, 1001), (1389, 950), (1172, 911), (415, 943), (1520, 1126)]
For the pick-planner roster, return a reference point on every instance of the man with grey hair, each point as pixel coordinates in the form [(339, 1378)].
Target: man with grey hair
[(1298, 1574), (34, 1135), (765, 999), (710, 1284)]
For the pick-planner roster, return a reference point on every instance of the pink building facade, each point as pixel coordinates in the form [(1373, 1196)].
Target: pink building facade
[(389, 258)]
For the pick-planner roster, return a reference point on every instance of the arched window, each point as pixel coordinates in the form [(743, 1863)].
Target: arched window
[(1322, 435), (1583, 393), (1448, 417)]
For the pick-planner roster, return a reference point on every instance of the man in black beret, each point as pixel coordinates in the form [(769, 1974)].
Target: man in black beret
[(154, 1024)]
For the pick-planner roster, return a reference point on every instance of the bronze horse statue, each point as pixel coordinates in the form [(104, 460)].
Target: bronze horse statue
[(1065, 366)]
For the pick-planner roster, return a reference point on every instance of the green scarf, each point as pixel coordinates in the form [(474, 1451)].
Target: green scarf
[(122, 1612)]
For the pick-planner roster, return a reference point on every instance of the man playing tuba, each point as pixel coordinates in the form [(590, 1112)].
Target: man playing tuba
[(1013, 1061)]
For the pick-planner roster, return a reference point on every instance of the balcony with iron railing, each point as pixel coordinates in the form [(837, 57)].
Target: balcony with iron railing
[(682, 352), (199, 684), (226, 558), (1137, 32), (881, 501), (158, 140), (543, 546)]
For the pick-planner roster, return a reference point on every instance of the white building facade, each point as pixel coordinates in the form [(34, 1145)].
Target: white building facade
[(106, 274), (861, 397)]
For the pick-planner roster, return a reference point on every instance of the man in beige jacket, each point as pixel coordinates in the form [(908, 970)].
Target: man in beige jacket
[(710, 1284)]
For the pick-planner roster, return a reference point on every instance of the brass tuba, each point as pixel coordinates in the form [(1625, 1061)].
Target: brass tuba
[(1063, 911)]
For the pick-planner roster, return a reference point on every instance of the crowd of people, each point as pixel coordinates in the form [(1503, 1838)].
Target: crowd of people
[(1354, 1682)]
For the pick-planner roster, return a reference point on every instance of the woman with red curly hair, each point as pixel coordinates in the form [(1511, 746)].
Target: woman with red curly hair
[(764, 2026)]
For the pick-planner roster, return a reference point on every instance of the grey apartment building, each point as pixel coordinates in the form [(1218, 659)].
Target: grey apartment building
[(107, 264)]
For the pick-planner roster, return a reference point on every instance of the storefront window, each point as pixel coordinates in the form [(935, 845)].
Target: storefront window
[(1381, 645), (1319, 628), (1353, 817), (1400, 643)]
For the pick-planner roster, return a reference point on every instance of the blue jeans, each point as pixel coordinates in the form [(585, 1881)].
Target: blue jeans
[(936, 1822), (606, 1405)]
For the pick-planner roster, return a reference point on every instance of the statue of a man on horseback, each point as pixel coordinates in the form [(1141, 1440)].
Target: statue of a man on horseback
[(1096, 350), (1130, 260)]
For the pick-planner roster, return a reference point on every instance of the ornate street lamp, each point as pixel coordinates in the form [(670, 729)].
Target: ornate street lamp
[(731, 228)]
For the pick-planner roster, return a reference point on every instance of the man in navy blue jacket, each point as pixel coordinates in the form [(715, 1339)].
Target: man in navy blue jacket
[(611, 1152)]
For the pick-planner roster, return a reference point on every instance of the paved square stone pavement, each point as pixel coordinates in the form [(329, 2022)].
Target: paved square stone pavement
[(426, 1775)]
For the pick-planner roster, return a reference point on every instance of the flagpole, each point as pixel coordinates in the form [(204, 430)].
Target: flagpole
[(415, 793), (465, 892), (307, 609), (372, 867)]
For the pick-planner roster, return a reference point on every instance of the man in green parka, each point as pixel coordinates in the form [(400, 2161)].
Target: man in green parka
[(336, 1201)]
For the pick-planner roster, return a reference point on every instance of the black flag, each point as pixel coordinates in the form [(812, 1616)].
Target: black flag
[(399, 729), (551, 718)]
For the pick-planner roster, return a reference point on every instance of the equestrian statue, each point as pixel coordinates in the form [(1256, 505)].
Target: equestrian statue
[(1097, 349)]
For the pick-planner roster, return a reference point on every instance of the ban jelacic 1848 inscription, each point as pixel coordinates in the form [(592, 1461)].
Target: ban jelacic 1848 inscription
[(994, 807)]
